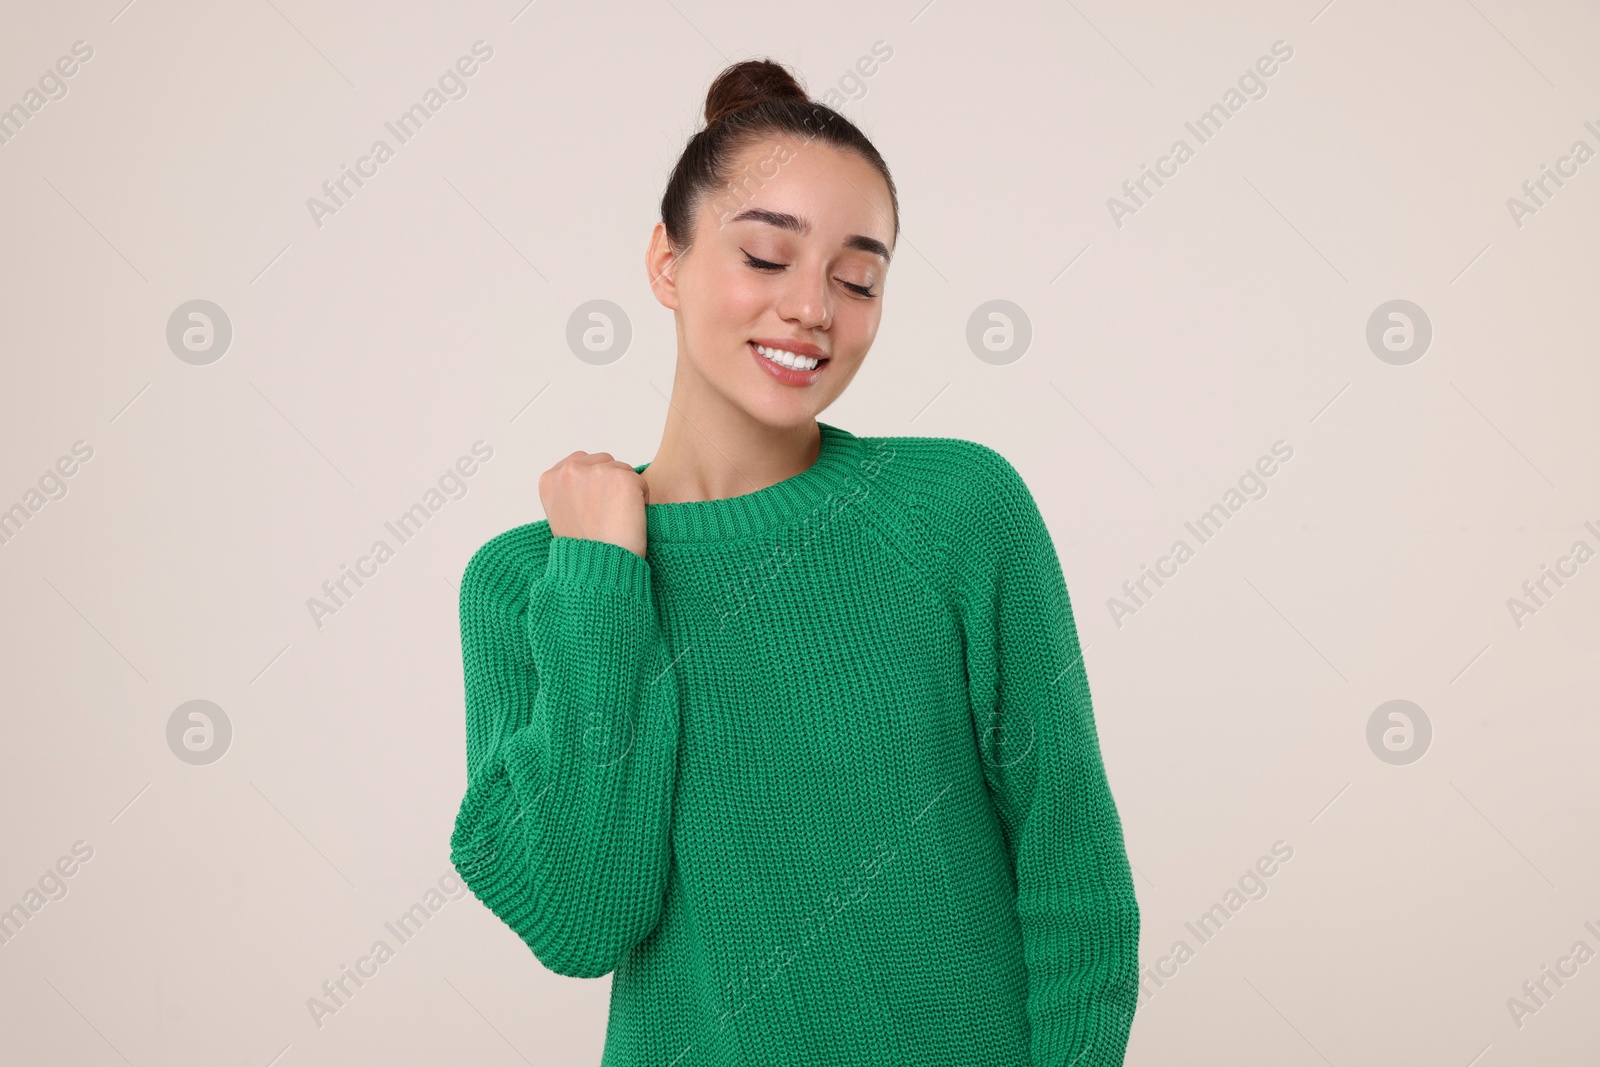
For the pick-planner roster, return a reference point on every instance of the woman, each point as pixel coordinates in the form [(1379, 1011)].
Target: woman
[(789, 728)]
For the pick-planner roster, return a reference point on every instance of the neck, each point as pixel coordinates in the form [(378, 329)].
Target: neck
[(712, 452)]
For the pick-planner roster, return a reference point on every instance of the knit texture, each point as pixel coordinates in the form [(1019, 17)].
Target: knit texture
[(817, 779)]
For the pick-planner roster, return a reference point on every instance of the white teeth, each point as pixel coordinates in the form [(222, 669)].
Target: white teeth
[(789, 359)]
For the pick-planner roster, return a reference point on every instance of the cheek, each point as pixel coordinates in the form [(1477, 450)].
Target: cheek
[(856, 327), (743, 296), (733, 302), (732, 314)]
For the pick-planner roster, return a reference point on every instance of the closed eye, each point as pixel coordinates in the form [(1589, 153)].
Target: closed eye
[(763, 265)]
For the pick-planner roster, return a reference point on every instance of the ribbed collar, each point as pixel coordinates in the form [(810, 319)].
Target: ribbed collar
[(756, 513)]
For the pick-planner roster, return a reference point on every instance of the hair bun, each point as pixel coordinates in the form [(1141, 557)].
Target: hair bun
[(748, 83)]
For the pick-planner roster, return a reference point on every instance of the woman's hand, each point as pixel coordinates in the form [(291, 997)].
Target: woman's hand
[(593, 496)]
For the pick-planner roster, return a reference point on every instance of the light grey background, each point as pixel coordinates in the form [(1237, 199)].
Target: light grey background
[(1168, 353)]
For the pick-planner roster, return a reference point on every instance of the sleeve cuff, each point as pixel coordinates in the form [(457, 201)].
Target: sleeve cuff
[(591, 564)]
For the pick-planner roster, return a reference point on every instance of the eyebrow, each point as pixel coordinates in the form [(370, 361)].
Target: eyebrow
[(785, 221)]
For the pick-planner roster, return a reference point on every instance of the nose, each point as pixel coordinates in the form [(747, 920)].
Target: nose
[(805, 300)]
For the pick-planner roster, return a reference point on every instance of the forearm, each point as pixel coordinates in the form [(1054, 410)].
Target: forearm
[(564, 829), (1082, 958)]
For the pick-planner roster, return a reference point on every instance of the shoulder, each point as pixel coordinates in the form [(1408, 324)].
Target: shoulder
[(960, 487), (500, 570), (959, 510)]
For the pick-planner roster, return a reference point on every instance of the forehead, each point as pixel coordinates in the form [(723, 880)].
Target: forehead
[(811, 189)]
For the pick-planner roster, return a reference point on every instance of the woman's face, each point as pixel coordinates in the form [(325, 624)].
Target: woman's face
[(791, 255)]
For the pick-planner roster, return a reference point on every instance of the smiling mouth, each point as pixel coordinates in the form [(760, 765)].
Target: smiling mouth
[(788, 359)]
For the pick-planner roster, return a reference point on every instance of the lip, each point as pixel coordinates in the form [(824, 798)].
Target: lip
[(782, 374), (799, 348)]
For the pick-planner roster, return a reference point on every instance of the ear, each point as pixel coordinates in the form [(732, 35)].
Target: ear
[(659, 263)]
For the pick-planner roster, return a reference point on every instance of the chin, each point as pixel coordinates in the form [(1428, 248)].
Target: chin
[(784, 412), (785, 416)]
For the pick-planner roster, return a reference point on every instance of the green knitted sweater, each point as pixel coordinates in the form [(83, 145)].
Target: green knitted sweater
[(817, 778)]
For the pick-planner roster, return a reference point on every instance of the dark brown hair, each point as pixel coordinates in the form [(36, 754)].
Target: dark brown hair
[(747, 100)]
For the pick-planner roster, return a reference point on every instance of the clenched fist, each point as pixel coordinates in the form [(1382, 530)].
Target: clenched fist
[(593, 496)]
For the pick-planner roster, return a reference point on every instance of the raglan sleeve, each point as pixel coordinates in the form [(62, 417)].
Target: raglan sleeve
[(1041, 759), (572, 739)]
